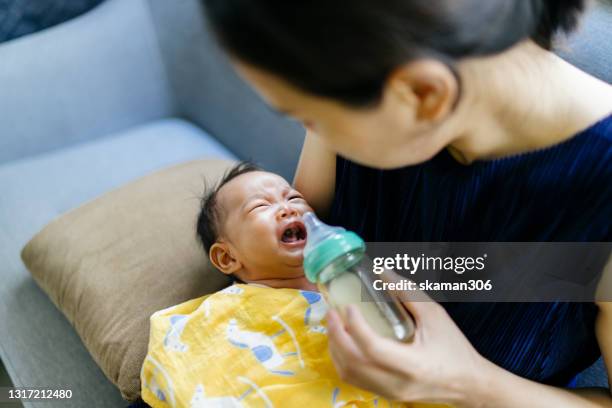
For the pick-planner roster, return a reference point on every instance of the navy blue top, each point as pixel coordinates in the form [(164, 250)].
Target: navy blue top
[(560, 193)]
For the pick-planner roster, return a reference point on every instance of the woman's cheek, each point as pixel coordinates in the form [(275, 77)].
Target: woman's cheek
[(350, 141)]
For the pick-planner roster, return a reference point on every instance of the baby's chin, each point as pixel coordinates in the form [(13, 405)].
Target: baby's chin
[(293, 263), (291, 256), (289, 267)]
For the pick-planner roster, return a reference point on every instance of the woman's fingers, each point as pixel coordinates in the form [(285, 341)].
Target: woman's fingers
[(384, 352), (354, 367), (345, 348), (428, 369), (368, 341), (342, 348), (380, 382)]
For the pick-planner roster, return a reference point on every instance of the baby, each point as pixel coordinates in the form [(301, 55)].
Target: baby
[(262, 341), (251, 227)]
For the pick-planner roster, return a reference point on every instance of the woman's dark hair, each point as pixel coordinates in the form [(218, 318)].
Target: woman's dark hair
[(346, 49)]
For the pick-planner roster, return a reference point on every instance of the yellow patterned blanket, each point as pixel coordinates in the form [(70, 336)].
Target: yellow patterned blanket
[(246, 346)]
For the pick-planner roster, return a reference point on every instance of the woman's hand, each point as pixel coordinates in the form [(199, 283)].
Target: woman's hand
[(440, 365)]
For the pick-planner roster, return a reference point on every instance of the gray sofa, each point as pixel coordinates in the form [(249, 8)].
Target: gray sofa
[(130, 87)]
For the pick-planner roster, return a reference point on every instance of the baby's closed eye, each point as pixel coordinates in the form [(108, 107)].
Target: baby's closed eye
[(258, 204)]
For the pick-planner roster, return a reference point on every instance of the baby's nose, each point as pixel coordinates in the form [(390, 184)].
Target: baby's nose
[(287, 211)]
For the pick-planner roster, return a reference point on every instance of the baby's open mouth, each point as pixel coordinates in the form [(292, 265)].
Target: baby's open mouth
[(294, 233)]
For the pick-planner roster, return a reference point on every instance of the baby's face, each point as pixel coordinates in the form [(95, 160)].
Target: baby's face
[(262, 223)]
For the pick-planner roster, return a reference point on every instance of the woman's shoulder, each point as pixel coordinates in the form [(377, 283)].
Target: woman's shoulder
[(602, 130), (592, 147), (589, 153), (588, 148), (562, 192)]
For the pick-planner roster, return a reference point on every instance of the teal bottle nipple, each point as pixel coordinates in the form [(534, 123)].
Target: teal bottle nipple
[(317, 231), (325, 244)]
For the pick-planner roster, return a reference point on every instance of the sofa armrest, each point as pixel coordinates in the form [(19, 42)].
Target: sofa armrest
[(90, 76)]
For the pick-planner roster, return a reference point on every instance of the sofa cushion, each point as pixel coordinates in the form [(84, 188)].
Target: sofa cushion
[(37, 344), (113, 262)]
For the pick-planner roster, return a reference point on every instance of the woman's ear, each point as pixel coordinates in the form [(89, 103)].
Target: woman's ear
[(220, 255), (429, 85)]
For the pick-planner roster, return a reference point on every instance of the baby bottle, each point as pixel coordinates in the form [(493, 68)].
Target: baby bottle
[(335, 260)]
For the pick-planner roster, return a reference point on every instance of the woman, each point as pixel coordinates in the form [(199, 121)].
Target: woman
[(445, 121)]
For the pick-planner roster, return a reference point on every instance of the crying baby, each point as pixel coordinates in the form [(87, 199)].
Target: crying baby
[(262, 341), (251, 227)]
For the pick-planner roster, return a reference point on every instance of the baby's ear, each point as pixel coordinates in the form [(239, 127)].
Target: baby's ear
[(221, 256)]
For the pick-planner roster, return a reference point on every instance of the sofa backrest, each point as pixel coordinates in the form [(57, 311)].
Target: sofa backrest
[(209, 93), (590, 47), (89, 77)]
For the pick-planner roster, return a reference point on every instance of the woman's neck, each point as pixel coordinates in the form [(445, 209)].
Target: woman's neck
[(522, 100)]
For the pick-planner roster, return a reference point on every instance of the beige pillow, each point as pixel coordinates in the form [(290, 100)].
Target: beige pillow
[(111, 263)]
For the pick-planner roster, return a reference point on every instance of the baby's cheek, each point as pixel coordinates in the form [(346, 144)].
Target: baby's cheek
[(248, 234), (258, 247), (263, 234), (306, 208)]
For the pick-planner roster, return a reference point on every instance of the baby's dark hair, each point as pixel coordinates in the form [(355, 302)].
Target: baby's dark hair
[(209, 219)]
